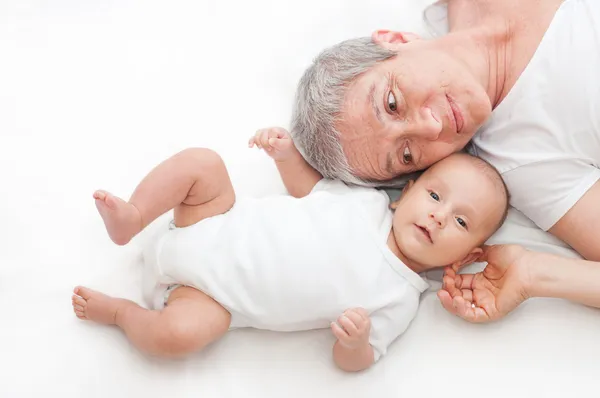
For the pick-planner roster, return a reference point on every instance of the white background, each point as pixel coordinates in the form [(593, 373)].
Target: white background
[(95, 93)]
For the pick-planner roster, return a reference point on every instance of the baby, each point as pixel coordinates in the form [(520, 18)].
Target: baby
[(328, 255)]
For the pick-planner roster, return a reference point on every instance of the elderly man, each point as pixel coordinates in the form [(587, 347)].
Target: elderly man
[(518, 79)]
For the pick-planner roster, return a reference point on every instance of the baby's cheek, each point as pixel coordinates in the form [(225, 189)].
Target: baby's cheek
[(453, 250)]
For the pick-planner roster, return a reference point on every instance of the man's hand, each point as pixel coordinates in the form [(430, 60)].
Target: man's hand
[(493, 293), (352, 328), (276, 141)]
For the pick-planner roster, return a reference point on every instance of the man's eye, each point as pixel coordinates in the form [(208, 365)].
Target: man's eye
[(461, 222), (407, 156), (392, 102), (435, 196)]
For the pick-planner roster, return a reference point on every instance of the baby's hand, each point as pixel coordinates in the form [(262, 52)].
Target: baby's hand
[(353, 328), (276, 141)]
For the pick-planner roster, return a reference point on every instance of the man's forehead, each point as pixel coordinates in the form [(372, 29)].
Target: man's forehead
[(362, 83), (357, 116)]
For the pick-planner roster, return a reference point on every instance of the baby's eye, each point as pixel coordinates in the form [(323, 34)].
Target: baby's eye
[(435, 196), (461, 222), (392, 105)]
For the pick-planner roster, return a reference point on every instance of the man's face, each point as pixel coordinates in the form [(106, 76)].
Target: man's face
[(410, 111)]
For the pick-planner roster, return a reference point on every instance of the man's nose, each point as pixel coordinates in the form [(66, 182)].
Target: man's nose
[(424, 124)]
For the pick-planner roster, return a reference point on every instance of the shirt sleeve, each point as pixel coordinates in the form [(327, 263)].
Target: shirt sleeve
[(545, 191), (389, 322)]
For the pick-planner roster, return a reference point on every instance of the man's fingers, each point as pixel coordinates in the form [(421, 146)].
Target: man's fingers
[(470, 312), (465, 281), (467, 294), (485, 300), (449, 284), (463, 309), (449, 271), (446, 301)]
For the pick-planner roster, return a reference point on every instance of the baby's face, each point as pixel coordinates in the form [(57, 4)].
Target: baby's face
[(444, 216)]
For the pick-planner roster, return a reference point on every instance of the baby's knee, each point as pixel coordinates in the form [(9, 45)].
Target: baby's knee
[(204, 158), (180, 338)]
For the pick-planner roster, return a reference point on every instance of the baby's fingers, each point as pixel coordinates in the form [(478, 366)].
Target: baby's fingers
[(258, 138), (264, 139), (348, 325), (279, 144), (338, 332), (358, 320), (255, 140)]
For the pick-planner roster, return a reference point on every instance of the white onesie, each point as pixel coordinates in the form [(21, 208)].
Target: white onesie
[(287, 264)]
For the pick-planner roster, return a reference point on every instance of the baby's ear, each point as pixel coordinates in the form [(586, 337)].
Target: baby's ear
[(395, 204), (469, 259), (408, 186)]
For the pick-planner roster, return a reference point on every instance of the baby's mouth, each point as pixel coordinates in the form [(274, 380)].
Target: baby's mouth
[(425, 232)]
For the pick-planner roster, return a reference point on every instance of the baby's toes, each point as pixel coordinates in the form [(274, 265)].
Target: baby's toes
[(79, 306), (78, 300), (81, 315), (79, 311)]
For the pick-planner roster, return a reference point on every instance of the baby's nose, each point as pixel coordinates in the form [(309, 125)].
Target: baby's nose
[(439, 218)]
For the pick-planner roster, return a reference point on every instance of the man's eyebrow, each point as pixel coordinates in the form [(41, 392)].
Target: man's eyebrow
[(371, 99)]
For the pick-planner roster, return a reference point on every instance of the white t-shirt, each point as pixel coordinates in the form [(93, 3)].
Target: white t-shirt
[(285, 264), (544, 137)]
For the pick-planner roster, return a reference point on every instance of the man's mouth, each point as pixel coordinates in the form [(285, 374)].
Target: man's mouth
[(456, 114)]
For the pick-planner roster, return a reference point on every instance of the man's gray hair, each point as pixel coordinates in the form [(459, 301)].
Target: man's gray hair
[(318, 105)]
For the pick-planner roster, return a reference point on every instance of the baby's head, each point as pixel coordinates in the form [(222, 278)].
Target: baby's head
[(444, 217)]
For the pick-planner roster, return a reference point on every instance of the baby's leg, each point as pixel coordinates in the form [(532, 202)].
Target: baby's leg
[(190, 321), (194, 183)]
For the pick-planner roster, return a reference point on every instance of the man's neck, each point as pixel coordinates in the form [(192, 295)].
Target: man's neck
[(486, 53), (496, 39)]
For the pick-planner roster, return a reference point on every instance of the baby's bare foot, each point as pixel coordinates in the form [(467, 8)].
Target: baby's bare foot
[(94, 306), (121, 219)]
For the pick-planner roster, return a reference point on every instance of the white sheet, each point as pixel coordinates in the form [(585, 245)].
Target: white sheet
[(94, 94)]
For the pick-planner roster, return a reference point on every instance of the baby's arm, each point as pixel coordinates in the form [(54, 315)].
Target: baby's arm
[(363, 338), (352, 351), (298, 176)]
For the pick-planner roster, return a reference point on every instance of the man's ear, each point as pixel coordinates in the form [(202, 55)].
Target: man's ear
[(391, 39), (470, 258)]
